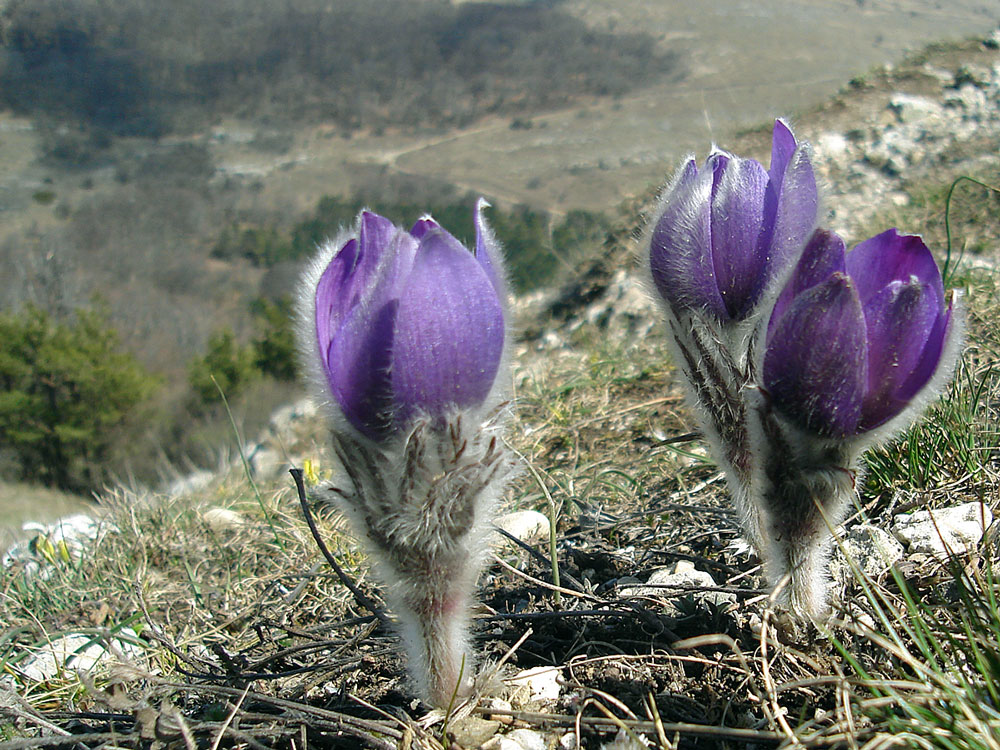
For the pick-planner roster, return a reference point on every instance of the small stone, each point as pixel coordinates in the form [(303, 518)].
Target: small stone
[(526, 739), (568, 741), (910, 108), (872, 549), (527, 525), (669, 583), (536, 684), (935, 532), (831, 145), (78, 653), (59, 542), (500, 743), (499, 704), (223, 519), (473, 731)]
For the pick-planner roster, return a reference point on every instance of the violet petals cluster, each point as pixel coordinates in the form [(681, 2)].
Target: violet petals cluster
[(853, 340), (408, 322), (726, 233), (796, 355)]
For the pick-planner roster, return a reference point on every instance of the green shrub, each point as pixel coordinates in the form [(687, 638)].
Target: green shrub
[(262, 246), (67, 396), (533, 246), (274, 342), (227, 366)]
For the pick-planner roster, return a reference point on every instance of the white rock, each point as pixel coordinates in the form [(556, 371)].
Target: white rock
[(671, 582), (62, 541), (500, 742), (191, 484), (910, 108), (568, 741), (78, 653), (968, 97), (537, 684), (526, 739), (623, 741), (77, 531), (831, 145), (872, 549), (958, 529), (527, 525), (222, 519)]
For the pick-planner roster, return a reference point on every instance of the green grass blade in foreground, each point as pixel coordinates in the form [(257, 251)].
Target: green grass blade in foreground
[(952, 650), (945, 275), (246, 468)]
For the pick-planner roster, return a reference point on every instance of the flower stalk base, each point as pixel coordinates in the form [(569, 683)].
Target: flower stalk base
[(425, 506)]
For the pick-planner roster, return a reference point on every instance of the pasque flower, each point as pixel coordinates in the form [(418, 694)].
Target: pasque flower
[(857, 346), (854, 340), (407, 323), (725, 235), (796, 356), (404, 338), (721, 243)]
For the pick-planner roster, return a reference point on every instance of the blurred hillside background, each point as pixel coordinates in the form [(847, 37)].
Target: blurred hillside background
[(165, 168)]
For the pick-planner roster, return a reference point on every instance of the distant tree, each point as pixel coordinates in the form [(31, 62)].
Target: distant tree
[(67, 394), (262, 246), (524, 233), (274, 342), (579, 233), (227, 366)]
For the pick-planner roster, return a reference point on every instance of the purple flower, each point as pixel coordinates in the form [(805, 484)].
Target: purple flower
[(409, 323), (726, 235), (853, 340)]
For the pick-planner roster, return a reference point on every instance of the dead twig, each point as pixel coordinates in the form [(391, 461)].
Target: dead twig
[(359, 596)]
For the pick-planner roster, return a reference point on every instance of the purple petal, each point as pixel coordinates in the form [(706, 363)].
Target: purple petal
[(374, 234), (891, 256), (488, 251), (796, 204), (394, 268), (823, 256), (356, 269), (359, 367), (680, 247), (900, 320), (332, 300), (930, 357), (449, 331), (783, 145), (423, 225), (815, 367), (736, 220)]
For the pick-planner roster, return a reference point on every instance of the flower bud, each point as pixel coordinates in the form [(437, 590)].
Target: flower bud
[(726, 236), (407, 323), (854, 340)]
